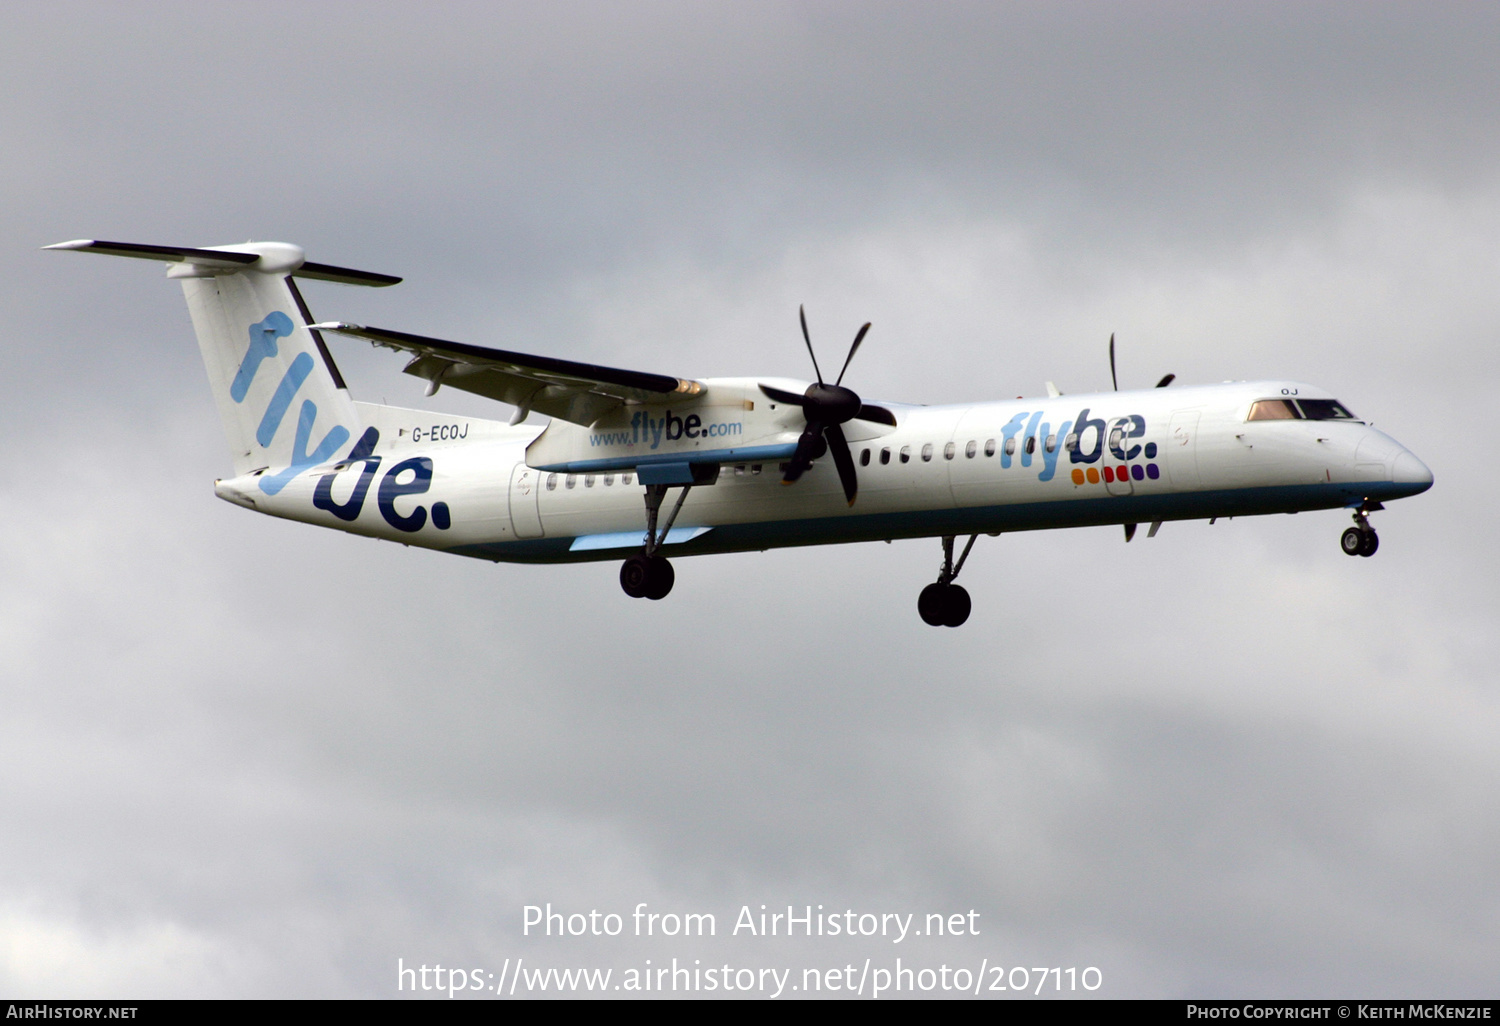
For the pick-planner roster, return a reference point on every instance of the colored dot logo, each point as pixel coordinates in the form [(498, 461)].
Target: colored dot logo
[(1123, 473)]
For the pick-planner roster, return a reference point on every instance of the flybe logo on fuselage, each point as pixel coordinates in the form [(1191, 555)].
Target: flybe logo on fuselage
[(1117, 436), (1087, 440), (265, 336), (650, 431)]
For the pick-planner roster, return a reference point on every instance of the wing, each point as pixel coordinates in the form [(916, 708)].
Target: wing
[(577, 392)]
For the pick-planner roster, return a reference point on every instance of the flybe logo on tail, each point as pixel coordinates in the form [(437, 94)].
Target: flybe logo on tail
[(391, 488), (264, 343)]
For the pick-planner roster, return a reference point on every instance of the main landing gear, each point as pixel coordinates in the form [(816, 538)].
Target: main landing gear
[(943, 603), (1361, 539), (648, 575)]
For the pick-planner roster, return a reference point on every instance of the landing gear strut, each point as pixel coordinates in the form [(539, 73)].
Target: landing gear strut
[(943, 603), (648, 575), (1361, 539)]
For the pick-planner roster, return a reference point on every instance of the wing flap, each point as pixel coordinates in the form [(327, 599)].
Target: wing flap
[(580, 393)]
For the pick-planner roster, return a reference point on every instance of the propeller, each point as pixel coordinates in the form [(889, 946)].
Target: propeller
[(1163, 383), (826, 409)]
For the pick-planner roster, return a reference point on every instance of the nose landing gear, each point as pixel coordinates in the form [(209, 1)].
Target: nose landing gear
[(1361, 539), (943, 603)]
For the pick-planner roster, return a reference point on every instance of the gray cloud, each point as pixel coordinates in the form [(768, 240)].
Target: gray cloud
[(246, 757)]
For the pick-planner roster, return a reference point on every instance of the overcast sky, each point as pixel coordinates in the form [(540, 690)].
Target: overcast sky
[(245, 757)]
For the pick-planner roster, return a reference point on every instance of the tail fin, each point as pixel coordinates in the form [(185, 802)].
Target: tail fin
[(263, 360)]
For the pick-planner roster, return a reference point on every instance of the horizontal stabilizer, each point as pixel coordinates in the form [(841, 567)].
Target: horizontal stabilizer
[(270, 257), (170, 254), (344, 275)]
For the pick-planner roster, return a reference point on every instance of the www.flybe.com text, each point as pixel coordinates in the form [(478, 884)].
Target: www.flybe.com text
[(649, 430)]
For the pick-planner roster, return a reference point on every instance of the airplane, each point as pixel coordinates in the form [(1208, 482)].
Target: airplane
[(757, 463)]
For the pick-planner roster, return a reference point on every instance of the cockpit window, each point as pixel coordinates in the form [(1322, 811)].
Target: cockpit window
[(1324, 409), (1274, 409)]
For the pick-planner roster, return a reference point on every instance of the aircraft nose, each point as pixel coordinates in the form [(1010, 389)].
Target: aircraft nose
[(1411, 473)]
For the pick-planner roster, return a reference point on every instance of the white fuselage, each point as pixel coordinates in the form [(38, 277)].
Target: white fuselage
[(464, 485)]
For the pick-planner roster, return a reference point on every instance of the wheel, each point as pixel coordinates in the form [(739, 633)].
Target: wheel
[(660, 578), (944, 605), (1369, 543), (1352, 541), (956, 606), (931, 603), (635, 575)]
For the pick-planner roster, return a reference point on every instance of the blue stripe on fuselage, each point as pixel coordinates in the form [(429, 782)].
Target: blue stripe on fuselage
[(744, 454), (1030, 516)]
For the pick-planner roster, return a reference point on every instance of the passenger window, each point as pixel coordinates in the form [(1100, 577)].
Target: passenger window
[(949, 450), (571, 480), (1051, 443), (609, 479), (551, 482), (989, 447), (739, 471), (927, 453), (1010, 447), (971, 448), (588, 480), (906, 454), (885, 456), (1031, 443), (1324, 409), (625, 479), (1071, 442), (1273, 409), (864, 458), (754, 468)]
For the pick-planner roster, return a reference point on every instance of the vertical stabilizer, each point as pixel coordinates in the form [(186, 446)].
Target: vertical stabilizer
[(279, 396), (282, 401)]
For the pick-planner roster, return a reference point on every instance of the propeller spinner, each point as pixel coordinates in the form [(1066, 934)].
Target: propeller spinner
[(826, 408)]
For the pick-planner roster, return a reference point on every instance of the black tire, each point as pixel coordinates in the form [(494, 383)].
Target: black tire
[(1352, 541), (956, 606), (931, 604), (1369, 543), (635, 574), (660, 579)]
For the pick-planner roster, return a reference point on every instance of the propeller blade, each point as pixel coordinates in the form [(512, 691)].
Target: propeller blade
[(843, 460), (802, 313), (1129, 532), (1112, 362), (875, 414), (802, 458), (777, 395), (852, 350), (1164, 382)]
